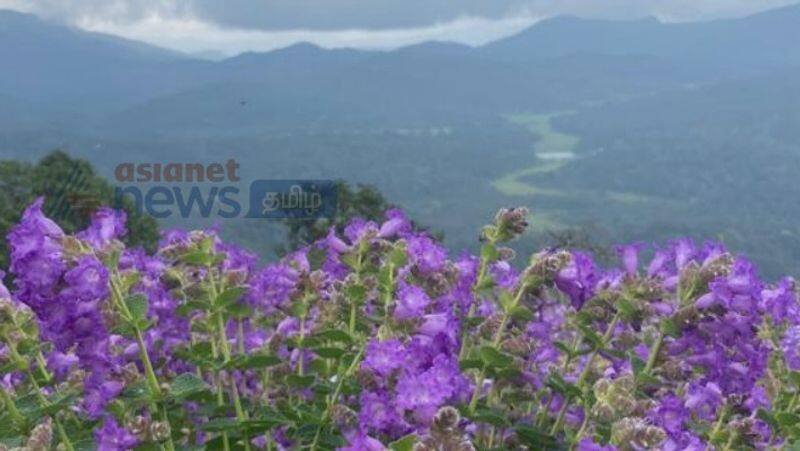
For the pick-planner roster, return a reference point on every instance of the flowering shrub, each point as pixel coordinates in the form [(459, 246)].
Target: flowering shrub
[(375, 340)]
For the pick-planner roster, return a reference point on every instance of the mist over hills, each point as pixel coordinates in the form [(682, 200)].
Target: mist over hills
[(615, 127)]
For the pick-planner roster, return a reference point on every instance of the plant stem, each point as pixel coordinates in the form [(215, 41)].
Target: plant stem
[(587, 369), (150, 374), (654, 350), (335, 396)]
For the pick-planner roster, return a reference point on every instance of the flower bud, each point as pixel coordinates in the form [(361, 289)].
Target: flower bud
[(447, 418), (41, 437), (139, 426), (510, 223), (159, 431)]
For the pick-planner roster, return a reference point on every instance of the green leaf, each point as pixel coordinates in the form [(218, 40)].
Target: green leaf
[(198, 258), (794, 377), (398, 257), (671, 328), (220, 425), (228, 297), (521, 313), (295, 380), (786, 419), (470, 364), (138, 305), (489, 253), (591, 336), (627, 308), (564, 347), (489, 417), (356, 293), (257, 361), (558, 384), (493, 358), (768, 418), (329, 353), (336, 335), (404, 444), (189, 307), (185, 385), (27, 346), (537, 439)]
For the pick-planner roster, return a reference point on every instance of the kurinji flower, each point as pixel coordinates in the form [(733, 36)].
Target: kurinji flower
[(36, 254), (713, 323), (684, 250), (780, 302), (437, 323), (383, 357), (397, 223), (411, 302), (588, 444), (378, 413), (272, 287), (61, 364), (426, 254), (424, 393), (629, 254), (704, 400), (670, 414), (112, 437), (504, 274), (790, 345), (88, 280), (361, 442), (359, 228), (106, 225), (577, 279)]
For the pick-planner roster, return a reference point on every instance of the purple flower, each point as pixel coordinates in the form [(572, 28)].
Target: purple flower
[(588, 444), (704, 400), (629, 254), (411, 303), (423, 393), (361, 442), (684, 250), (61, 364), (383, 357), (112, 437), (88, 280), (426, 254), (670, 414), (790, 345), (359, 229), (577, 279), (780, 302), (504, 274), (106, 225), (36, 254), (378, 413), (397, 223), (272, 287)]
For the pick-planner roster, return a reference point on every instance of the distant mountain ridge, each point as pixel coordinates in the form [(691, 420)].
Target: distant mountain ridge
[(559, 63)]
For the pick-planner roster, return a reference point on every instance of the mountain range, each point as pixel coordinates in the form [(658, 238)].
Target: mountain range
[(624, 130)]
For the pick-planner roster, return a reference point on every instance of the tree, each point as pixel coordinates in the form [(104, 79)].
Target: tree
[(72, 193)]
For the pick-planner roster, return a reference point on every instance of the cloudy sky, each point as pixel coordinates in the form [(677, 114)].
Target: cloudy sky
[(233, 26)]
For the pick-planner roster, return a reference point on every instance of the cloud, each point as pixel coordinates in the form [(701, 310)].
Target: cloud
[(232, 26), (193, 36)]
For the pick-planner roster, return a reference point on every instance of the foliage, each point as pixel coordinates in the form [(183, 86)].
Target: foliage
[(73, 193), (373, 339)]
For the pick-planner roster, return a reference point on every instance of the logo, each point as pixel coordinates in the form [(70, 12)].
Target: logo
[(191, 190)]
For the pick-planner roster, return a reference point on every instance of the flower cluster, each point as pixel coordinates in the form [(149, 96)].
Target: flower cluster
[(374, 338)]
